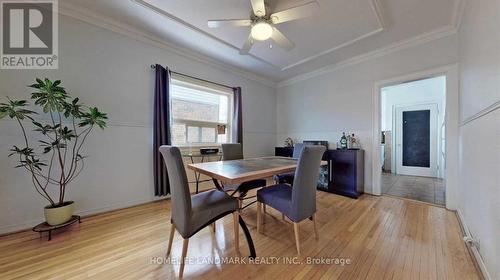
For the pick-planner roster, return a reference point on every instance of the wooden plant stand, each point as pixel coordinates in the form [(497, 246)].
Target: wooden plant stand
[(44, 227)]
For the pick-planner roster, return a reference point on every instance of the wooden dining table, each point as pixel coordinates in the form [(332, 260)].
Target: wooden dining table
[(233, 172)]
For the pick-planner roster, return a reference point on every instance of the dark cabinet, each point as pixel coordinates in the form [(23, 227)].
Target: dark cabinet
[(283, 151), (347, 172), (344, 173), (324, 172)]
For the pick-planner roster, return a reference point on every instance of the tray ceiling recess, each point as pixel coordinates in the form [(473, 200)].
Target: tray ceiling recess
[(263, 24), (321, 26)]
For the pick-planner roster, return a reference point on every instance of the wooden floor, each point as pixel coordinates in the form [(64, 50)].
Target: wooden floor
[(382, 237)]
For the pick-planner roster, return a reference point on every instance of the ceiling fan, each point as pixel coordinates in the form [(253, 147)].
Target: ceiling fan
[(263, 24)]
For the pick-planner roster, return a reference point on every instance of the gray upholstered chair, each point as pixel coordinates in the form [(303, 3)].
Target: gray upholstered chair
[(192, 213), (232, 151), (297, 203), (287, 178), (235, 152)]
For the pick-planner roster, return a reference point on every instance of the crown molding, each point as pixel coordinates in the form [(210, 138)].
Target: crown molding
[(377, 10), (456, 20), (398, 46), (108, 23), (458, 13), (94, 18), (348, 43), (172, 17)]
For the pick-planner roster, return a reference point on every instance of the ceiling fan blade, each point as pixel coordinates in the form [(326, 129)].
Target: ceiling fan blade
[(247, 46), (282, 40), (228, 22), (303, 11), (259, 8)]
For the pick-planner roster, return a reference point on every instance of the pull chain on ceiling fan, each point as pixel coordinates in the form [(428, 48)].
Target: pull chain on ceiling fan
[(263, 25)]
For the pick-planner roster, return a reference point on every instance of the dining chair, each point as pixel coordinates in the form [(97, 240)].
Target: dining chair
[(189, 213), (298, 202), (235, 152), (288, 177)]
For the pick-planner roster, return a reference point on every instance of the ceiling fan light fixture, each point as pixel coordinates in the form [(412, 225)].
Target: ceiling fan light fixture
[(261, 31)]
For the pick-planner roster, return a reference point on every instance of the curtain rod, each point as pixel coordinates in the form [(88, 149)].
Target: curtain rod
[(153, 66)]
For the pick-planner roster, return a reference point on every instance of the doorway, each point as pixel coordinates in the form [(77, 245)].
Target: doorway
[(412, 159)]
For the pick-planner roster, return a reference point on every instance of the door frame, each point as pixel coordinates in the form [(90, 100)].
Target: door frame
[(451, 120), (433, 108)]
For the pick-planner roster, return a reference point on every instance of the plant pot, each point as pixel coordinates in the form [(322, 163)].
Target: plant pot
[(59, 214)]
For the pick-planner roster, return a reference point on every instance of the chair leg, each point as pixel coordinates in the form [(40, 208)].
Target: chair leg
[(236, 226), (212, 225), (171, 239), (258, 216), (264, 208), (297, 242), (314, 225), (183, 257)]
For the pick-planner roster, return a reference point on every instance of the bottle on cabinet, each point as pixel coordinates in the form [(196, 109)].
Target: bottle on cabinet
[(349, 142), (343, 141), (353, 143)]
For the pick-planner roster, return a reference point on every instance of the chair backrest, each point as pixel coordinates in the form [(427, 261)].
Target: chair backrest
[(232, 151), (181, 198), (297, 149), (306, 181)]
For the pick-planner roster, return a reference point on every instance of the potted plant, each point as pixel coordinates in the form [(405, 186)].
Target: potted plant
[(60, 133)]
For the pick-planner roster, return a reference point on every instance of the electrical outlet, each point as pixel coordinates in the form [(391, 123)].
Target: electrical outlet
[(472, 241)]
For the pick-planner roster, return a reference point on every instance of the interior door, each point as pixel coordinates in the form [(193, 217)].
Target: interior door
[(416, 140)]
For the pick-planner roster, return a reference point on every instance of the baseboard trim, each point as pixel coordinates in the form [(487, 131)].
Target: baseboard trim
[(474, 251), (27, 225)]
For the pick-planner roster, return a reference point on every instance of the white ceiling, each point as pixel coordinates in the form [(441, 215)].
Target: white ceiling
[(342, 29)]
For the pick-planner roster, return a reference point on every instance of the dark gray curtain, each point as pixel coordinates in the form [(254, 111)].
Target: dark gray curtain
[(237, 128), (161, 128)]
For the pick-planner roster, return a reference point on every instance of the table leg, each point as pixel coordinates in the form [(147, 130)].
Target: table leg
[(248, 237), (196, 176), (217, 185), (244, 227), (50, 235)]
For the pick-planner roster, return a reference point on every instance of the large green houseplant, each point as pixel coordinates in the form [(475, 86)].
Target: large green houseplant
[(59, 135)]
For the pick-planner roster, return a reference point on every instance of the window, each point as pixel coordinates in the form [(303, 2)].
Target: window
[(201, 112)]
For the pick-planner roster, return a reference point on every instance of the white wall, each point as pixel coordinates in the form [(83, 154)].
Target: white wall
[(322, 107), (113, 72), (479, 181), (432, 90), (426, 91)]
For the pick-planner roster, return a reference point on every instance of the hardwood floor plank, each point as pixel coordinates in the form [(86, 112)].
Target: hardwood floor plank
[(382, 237)]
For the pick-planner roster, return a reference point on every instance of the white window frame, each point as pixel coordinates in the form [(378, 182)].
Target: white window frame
[(184, 81)]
